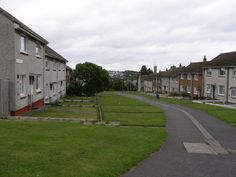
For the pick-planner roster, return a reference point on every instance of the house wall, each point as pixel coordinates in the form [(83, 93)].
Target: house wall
[(7, 55), (30, 66), (192, 84), (198, 85), (174, 85), (55, 77), (147, 86), (232, 85), (164, 85), (215, 80)]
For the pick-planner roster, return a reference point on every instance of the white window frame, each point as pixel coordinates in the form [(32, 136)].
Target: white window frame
[(23, 44), (47, 64), (46, 91), (209, 72), (195, 91), (189, 77), (54, 66), (22, 85), (234, 72), (181, 88), (188, 89), (219, 89), (233, 92), (196, 77), (38, 51), (38, 83), (223, 72), (208, 88)]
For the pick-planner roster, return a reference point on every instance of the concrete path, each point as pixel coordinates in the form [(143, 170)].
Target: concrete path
[(199, 145)]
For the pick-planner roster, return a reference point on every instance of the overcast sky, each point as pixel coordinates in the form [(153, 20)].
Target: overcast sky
[(126, 34)]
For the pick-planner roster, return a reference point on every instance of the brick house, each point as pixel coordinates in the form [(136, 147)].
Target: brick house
[(191, 80)]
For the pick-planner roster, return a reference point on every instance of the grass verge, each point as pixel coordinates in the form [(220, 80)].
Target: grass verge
[(129, 111), (56, 149), (226, 114)]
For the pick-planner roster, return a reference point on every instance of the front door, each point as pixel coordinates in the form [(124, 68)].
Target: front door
[(31, 90), (213, 92)]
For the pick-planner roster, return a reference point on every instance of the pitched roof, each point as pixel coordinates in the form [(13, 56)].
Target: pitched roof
[(171, 72), (23, 26), (53, 54), (195, 67), (223, 60), (148, 77)]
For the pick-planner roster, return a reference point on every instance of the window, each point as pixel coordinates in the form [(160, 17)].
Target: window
[(22, 85), (208, 88), (208, 72), (38, 83), (233, 92), (234, 73), (189, 76), (222, 72), (54, 66), (181, 88), (59, 66), (195, 77), (221, 90), (188, 89), (23, 44), (195, 91), (182, 76), (47, 65), (46, 91), (38, 51)]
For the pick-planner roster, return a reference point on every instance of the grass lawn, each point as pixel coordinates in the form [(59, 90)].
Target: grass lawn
[(130, 112), (88, 113), (57, 149), (92, 98), (225, 114)]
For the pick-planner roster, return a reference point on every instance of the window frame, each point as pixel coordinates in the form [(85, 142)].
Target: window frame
[(234, 73), (22, 85), (221, 94), (233, 90), (38, 83), (24, 48), (47, 64), (221, 72), (38, 53), (189, 77), (208, 88), (208, 72)]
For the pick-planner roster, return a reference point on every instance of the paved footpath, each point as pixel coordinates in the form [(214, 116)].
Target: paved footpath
[(199, 145)]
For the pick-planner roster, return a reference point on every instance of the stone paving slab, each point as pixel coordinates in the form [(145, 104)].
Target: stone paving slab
[(200, 148)]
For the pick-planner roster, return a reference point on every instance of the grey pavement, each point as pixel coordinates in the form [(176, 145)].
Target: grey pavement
[(174, 161)]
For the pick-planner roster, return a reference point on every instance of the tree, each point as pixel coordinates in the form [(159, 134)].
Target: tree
[(145, 71), (92, 78)]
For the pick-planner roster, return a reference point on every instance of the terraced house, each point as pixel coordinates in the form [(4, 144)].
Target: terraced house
[(220, 78), (170, 81), (191, 80), (22, 58), (55, 76)]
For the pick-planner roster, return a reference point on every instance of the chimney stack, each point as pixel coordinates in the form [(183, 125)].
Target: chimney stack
[(204, 59), (155, 69)]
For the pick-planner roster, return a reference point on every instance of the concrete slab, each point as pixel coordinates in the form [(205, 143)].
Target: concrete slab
[(200, 148)]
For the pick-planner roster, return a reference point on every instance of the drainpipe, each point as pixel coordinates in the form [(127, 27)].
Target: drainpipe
[(227, 86), (192, 76)]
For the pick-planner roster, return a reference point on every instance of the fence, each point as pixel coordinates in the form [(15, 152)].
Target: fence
[(4, 98)]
